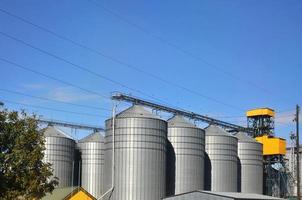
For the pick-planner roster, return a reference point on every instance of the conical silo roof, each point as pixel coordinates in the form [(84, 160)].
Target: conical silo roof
[(93, 137), (216, 130), (242, 137), (136, 111), (180, 121), (51, 131)]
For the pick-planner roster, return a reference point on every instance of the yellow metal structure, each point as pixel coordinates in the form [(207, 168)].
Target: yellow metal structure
[(260, 112), (69, 193), (80, 195), (272, 145)]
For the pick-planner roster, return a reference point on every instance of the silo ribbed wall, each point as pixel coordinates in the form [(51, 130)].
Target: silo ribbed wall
[(251, 161), (222, 151), (92, 164), (60, 153), (140, 156), (251, 168), (189, 146)]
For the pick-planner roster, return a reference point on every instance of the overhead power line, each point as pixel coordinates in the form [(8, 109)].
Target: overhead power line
[(54, 100), (177, 47), (53, 78), (120, 62), (80, 67), (52, 109)]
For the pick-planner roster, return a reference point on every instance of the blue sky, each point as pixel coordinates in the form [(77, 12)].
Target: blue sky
[(236, 55)]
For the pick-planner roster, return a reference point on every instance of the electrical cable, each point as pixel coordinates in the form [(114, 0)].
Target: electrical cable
[(80, 67), (52, 109), (53, 100), (53, 78), (177, 47), (122, 63)]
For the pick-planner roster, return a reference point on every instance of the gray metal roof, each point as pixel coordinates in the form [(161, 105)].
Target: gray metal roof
[(238, 195), (216, 130), (93, 137), (59, 193), (199, 195), (180, 121), (242, 137), (136, 111), (51, 131)]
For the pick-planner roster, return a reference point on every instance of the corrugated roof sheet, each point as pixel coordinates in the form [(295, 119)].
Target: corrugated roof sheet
[(51, 131), (180, 121), (59, 193), (94, 137), (242, 137), (136, 111), (216, 130), (238, 195), (224, 195)]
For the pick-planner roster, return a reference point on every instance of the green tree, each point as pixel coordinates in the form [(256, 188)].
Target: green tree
[(23, 174)]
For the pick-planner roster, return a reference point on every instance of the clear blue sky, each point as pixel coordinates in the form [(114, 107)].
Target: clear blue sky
[(245, 54)]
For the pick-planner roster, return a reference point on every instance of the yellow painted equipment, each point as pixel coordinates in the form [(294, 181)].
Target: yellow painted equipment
[(260, 112), (69, 193), (272, 145), (80, 195)]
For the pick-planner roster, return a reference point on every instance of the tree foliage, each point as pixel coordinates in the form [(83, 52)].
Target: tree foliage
[(23, 174)]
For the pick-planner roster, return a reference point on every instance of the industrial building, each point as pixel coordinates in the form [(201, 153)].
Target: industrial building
[(142, 156), (198, 195)]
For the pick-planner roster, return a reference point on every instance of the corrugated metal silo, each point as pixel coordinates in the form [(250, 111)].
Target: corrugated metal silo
[(251, 162), (188, 143), (221, 149), (60, 153), (140, 155), (92, 164)]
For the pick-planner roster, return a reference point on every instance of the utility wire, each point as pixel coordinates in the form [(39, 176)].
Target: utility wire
[(53, 100), (120, 62), (177, 47), (52, 109), (53, 78), (80, 67)]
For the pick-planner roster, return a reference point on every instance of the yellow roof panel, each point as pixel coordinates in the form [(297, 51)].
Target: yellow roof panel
[(260, 112)]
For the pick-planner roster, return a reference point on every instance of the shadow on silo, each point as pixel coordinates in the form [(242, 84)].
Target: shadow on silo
[(238, 175), (207, 173), (170, 170), (77, 168)]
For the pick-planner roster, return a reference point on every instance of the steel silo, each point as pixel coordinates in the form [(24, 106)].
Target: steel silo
[(251, 164), (221, 149), (188, 143), (140, 155), (59, 151), (92, 163)]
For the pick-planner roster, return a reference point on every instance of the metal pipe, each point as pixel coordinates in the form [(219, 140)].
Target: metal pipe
[(298, 152), (113, 154)]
